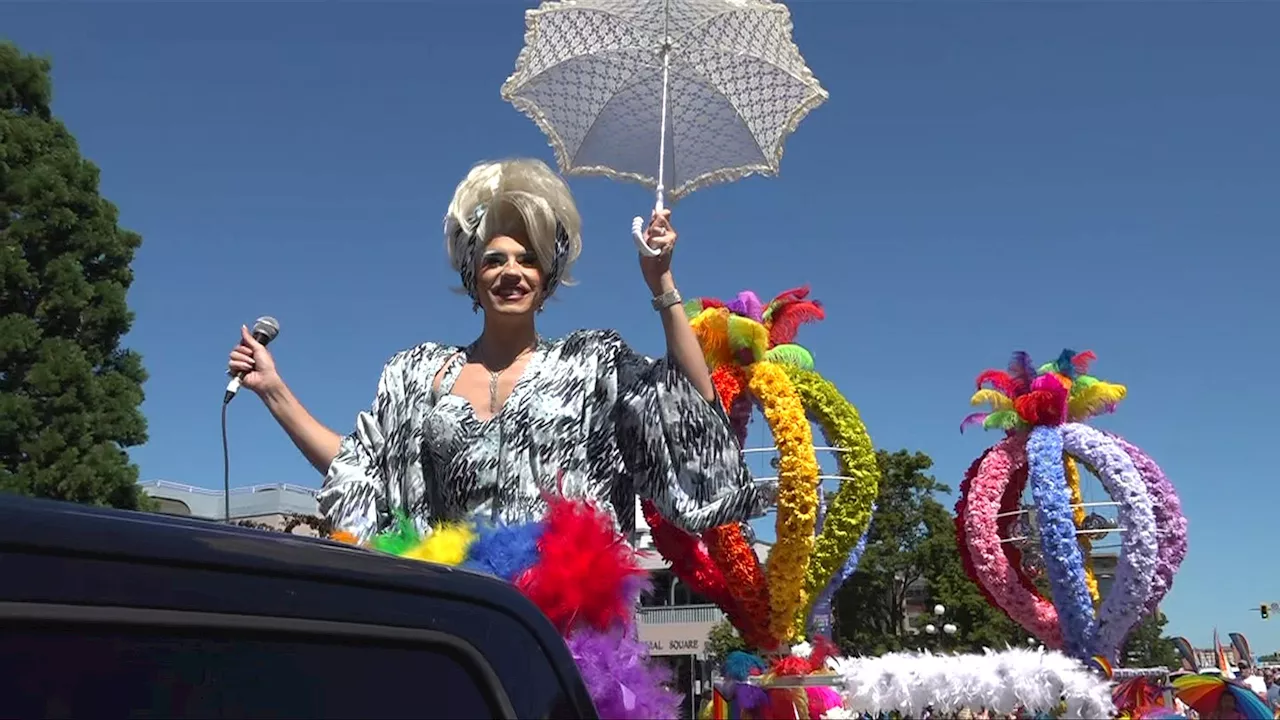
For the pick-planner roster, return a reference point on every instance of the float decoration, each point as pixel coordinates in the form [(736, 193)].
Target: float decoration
[(1001, 682), (1042, 411), (582, 574), (750, 347), (750, 688)]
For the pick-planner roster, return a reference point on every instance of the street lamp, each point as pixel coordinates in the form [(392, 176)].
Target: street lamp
[(930, 629), (939, 610), (949, 629)]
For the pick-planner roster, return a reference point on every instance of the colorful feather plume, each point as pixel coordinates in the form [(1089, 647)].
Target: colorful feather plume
[(446, 545), (504, 551), (748, 305), (788, 312), (1022, 371), (621, 681), (582, 574), (584, 569), (399, 538), (739, 665), (711, 327), (748, 339), (783, 298), (1023, 397), (790, 354), (998, 380)]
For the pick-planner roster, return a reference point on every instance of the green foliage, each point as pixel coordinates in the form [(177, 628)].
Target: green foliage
[(1147, 645), (69, 394), (913, 541), (722, 640), (979, 624)]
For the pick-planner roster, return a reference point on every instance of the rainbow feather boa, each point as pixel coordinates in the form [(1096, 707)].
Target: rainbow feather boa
[(582, 574)]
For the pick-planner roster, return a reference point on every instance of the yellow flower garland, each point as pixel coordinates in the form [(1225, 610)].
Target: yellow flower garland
[(797, 494), (1086, 545), (850, 512)]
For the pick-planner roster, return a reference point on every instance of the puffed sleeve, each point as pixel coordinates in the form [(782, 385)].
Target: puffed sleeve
[(353, 497), (678, 448)]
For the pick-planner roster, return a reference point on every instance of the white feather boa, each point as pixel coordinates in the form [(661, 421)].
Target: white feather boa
[(1002, 682)]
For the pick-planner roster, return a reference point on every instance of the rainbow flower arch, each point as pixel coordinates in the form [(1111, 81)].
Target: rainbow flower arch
[(1043, 412), (755, 362)]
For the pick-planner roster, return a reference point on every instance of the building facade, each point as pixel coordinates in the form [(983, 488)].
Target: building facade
[(676, 623), (279, 507)]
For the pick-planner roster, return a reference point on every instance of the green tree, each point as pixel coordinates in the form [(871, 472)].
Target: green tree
[(979, 625), (69, 394), (1147, 645), (722, 640), (913, 542)]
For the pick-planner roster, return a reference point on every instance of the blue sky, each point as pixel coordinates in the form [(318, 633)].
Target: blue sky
[(986, 177)]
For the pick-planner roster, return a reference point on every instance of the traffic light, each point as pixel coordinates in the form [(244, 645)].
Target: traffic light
[(1266, 611)]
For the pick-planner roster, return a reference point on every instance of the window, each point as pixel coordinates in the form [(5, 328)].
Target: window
[(91, 671)]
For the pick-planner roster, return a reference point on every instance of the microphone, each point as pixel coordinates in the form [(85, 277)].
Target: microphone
[(265, 329)]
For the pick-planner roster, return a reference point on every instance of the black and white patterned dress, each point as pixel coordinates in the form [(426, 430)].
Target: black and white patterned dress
[(589, 417)]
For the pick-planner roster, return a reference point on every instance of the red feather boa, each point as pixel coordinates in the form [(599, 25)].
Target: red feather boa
[(584, 569), (688, 557)]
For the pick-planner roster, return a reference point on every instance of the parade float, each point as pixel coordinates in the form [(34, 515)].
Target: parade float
[(755, 363), (782, 610), (1043, 412)]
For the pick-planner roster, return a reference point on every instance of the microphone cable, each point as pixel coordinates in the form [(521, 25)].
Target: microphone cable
[(265, 329), (226, 469)]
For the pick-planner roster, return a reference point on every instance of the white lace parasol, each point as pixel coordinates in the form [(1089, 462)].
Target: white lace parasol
[(711, 88)]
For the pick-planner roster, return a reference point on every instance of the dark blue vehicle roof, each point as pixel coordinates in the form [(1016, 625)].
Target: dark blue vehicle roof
[(122, 559)]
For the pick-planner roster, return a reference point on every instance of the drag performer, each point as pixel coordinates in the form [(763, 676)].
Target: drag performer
[(483, 431)]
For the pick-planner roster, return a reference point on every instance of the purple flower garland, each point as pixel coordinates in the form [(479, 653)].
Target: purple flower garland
[(1171, 524), (1126, 603)]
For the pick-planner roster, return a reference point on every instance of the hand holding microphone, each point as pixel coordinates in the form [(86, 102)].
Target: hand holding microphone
[(250, 363)]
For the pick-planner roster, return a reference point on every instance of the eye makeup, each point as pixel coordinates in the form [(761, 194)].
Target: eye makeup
[(498, 259)]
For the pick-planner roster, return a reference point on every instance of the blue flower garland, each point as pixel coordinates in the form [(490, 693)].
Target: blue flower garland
[(819, 620), (1063, 558)]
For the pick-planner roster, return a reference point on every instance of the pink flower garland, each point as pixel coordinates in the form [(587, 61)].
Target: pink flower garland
[(990, 563)]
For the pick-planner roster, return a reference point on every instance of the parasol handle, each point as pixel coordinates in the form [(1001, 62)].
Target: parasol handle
[(637, 224), (637, 229), (637, 235)]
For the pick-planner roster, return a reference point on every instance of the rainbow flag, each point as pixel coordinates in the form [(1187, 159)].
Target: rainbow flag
[(719, 707), (1221, 656)]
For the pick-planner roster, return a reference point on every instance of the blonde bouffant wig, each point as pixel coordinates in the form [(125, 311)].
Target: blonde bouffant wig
[(523, 199)]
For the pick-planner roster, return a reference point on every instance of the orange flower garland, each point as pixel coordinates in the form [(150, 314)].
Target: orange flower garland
[(728, 547), (728, 381), (745, 582)]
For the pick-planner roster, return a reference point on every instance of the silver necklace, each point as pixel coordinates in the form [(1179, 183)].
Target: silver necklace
[(496, 375)]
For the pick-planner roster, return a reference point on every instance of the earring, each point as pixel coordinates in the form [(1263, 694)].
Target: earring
[(475, 306)]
